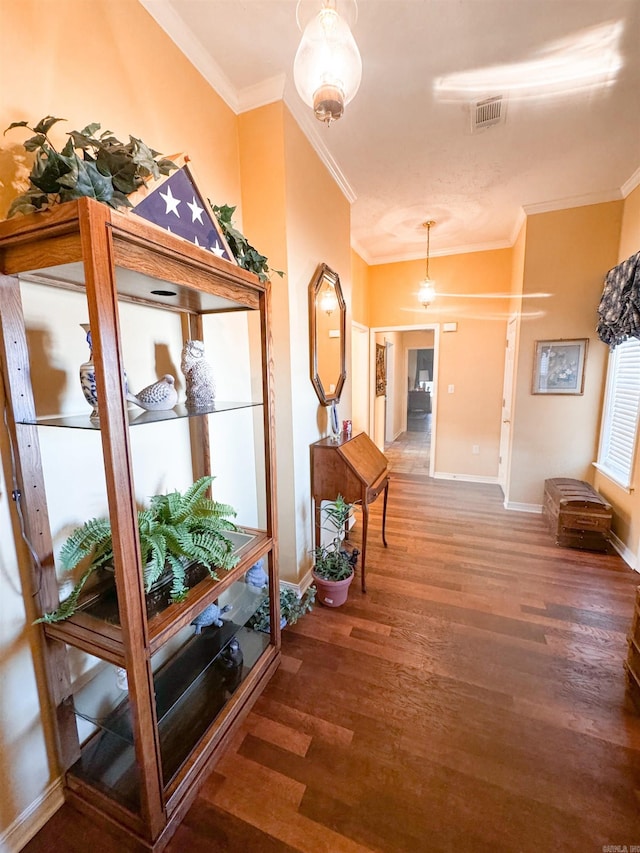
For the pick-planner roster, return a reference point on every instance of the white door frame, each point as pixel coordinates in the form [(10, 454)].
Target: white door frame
[(504, 463), (435, 328)]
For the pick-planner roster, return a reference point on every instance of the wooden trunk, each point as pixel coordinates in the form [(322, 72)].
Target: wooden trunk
[(576, 514)]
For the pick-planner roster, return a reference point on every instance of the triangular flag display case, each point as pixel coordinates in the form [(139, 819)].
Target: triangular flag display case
[(141, 701)]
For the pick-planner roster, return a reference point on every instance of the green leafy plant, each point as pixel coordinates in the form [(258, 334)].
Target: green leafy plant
[(175, 530), (98, 166), (292, 607), (333, 562), (245, 254)]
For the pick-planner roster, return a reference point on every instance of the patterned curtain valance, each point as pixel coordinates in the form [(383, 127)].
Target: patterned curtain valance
[(619, 309)]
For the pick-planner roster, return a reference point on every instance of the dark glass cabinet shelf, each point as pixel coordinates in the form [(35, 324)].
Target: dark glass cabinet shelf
[(191, 689)]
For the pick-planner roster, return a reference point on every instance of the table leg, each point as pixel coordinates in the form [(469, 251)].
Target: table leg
[(365, 524), (384, 513)]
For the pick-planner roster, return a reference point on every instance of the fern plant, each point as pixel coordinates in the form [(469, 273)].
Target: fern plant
[(175, 530)]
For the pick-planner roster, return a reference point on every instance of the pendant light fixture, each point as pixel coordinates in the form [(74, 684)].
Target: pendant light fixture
[(427, 292), (327, 68)]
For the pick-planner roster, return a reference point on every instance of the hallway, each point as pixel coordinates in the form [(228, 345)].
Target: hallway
[(410, 452), (473, 700)]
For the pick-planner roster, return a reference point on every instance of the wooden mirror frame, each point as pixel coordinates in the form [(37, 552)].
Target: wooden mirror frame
[(325, 274)]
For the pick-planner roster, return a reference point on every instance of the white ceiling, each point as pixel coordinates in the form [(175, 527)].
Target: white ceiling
[(404, 151)]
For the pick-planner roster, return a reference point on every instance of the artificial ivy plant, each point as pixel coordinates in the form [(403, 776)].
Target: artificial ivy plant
[(97, 165), (245, 254)]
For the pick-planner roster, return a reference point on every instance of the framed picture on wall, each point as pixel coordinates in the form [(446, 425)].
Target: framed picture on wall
[(558, 366), (381, 372)]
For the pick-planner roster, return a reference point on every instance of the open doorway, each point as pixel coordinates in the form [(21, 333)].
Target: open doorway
[(403, 421)]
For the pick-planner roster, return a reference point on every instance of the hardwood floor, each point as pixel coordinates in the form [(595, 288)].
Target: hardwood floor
[(473, 700)]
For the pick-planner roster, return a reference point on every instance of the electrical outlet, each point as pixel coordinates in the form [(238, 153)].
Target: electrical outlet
[(475, 449), (451, 389)]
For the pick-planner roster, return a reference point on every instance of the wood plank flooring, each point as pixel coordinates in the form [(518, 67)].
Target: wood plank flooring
[(473, 700)]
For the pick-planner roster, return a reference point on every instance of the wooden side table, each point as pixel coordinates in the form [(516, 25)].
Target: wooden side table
[(354, 468)]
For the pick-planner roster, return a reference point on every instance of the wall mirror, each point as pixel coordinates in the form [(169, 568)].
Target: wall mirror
[(327, 316)]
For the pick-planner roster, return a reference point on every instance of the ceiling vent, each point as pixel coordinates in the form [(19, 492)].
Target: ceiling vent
[(487, 113)]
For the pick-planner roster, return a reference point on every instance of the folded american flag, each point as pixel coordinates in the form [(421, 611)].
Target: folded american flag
[(177, 206)]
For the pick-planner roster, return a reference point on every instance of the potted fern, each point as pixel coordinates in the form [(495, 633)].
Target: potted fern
[(334, 565), (176, 530)]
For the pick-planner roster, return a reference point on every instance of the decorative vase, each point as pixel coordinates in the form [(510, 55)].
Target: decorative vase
[(88, 378), (332, 593)]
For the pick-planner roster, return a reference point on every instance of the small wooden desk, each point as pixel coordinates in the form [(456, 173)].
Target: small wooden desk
[(357, 470)]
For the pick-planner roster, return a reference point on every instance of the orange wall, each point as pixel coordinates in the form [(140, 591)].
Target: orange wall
[(122, 71), (474, 292), (567, 255), (359, 290), (626, 506)]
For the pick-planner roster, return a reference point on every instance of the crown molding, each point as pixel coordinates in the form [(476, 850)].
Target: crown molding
[(573, 201), (631, 183), (361, 251), (263, 93), (168, 19), (309, 125), (521, 218), (446, 252)]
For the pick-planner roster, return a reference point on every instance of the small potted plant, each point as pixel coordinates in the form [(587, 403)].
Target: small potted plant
[(292, 607), (334, 565), (176, 530)]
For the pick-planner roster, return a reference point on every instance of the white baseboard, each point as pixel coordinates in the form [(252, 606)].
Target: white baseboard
[(32, 819), (302, 586), (465, 478), (522, 507), (626, 553)]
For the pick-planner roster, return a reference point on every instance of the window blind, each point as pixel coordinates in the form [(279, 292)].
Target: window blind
[(620, 415)]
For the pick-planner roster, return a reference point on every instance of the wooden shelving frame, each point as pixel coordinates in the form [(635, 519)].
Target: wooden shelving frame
[(79, 246)]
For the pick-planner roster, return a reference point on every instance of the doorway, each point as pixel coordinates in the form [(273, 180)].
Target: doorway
[(403, 423)]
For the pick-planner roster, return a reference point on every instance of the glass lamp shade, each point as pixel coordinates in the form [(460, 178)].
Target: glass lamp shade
[(328, 301), (327, 68), (427, 292)]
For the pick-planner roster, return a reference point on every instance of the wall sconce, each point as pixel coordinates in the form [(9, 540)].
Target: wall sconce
[(328, 300), (427, 292), (327, 68)]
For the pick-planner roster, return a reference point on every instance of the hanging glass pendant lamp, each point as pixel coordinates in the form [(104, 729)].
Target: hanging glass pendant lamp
[(427, 292), (327, 68)]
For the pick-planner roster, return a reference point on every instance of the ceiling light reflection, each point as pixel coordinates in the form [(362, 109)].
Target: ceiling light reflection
[(587, 60)]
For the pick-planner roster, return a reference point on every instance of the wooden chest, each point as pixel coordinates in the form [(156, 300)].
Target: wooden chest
[(576, 514), (632, 664)]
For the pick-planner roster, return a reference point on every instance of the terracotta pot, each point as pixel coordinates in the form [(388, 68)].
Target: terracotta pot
[(332, 593)]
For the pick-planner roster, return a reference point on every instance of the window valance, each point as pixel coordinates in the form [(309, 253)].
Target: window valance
[(619, 309)]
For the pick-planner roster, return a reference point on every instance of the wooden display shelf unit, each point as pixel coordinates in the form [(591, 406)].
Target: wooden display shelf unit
[(142, 782)]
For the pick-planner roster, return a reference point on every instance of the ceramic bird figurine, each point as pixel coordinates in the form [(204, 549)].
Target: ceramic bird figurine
[(256, 575), (210, 616), (200, 388), (157, 397)]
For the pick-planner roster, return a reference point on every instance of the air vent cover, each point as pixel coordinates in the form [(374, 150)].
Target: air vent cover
[(487, 112)]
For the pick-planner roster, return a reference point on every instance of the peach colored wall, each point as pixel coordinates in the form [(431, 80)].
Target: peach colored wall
[(124, 72), (301, 219), (626, 506), (359, 290), (567, 255), (107, 62), (474, 292)]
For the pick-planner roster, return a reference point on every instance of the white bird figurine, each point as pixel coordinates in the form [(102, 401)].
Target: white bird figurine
[(157, 397)]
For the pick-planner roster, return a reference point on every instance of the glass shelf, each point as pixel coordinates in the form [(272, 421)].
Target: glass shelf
[(139, 416)]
